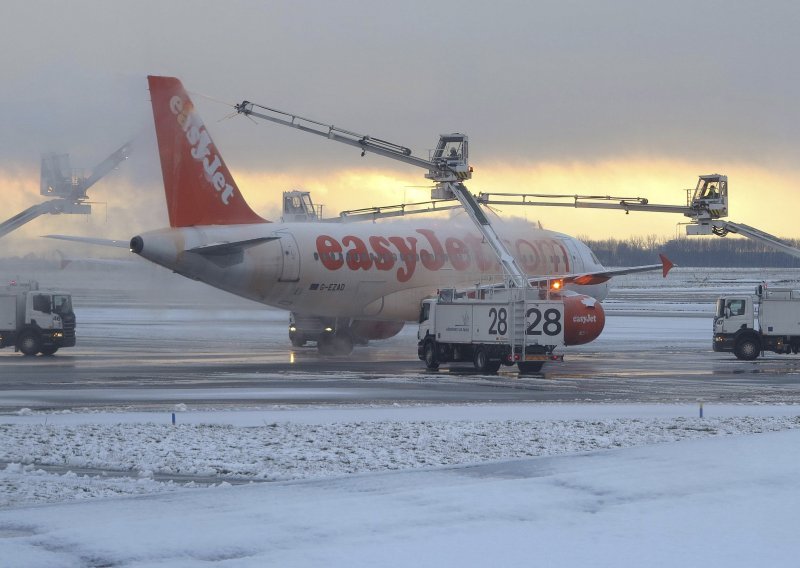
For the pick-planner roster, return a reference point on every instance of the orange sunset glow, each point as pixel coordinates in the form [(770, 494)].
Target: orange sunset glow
[(660, 181)]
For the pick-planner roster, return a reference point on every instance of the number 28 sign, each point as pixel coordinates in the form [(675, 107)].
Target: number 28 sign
[(544, 322)]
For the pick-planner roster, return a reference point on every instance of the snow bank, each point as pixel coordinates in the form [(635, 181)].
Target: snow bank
[(282, 450), (726, 501)]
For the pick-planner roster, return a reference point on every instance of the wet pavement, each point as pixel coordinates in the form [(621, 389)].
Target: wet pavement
[(103, 373), (194, 345)]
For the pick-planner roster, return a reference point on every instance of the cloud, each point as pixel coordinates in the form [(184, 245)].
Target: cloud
[(552, 95), (527, 81)]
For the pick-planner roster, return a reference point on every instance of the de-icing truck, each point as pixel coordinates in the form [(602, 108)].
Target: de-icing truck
[(748, 325), (491, 327), (35, 321)]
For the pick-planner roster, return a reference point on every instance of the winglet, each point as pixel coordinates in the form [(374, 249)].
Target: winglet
[(198, 185), (666, 265)]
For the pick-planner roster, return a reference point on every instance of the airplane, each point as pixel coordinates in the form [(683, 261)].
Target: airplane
[(367, 278)]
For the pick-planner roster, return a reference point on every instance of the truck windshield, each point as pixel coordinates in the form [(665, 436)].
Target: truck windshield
[(62, 304)]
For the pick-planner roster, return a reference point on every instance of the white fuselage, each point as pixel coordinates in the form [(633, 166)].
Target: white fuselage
[(378, 271)]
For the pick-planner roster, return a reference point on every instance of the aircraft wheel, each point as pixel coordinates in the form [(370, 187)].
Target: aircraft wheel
[(342, 344), (429, 355), (29, 344), (325, 344), (481, 361), (49, 350), (747, 349), (530, 367)]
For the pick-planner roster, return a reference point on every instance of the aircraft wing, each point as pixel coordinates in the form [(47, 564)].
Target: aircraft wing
[(91, 241), (588, 278)]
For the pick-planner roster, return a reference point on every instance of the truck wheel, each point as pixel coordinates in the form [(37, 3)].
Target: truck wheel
[(29, 343), (298, 340), (429, 355), (530, 367), (482, 363), (747, 348), (49, 350)]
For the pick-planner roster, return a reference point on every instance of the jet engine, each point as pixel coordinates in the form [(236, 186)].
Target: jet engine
[(584, 319), (367, 330)]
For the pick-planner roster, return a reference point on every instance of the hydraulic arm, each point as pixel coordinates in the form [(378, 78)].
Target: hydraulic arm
[(447, 167), (54, 206), (58, 180), (723, 228)]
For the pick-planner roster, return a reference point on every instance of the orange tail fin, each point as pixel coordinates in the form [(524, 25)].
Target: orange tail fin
[(199, 188)]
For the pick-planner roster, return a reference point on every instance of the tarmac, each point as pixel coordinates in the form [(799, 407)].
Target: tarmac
[(149, 339), (108, 373)]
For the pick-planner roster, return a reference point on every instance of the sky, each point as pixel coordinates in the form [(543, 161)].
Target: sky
[(624, 98)]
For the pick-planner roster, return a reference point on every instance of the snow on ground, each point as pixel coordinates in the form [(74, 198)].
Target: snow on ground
[(722, 501), (508, 485), (283, 445)]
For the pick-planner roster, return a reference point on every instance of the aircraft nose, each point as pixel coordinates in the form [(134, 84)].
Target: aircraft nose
[(584, 319), (137, 244)]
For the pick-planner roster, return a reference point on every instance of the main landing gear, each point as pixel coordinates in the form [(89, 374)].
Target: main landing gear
[(331, 336), (335, 343)]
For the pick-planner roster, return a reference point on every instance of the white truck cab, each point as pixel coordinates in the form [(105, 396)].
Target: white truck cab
[(748, 325), (35, 321)]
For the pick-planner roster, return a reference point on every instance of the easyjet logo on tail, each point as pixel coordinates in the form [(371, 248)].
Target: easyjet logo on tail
[(200, 141)]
